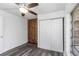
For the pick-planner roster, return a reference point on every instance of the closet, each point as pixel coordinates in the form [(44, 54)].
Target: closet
[(51, 34)]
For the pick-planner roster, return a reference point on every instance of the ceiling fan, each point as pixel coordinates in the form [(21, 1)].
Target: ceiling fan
[(24, 8)]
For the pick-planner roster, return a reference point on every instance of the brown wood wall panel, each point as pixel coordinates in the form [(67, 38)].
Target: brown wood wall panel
[(32, 31)]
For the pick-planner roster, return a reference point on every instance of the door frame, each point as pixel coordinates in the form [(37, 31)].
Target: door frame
[(62, 32), (72, 31)]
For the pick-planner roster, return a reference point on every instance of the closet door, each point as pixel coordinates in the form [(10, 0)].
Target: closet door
[(1, 35), (44, 34), (57, 35), (51, 34)]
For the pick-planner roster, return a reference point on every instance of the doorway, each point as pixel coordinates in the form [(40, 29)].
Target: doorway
[(75, 30), (32, 31)]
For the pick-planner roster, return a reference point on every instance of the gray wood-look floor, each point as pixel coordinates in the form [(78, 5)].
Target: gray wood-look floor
[(30, 50)]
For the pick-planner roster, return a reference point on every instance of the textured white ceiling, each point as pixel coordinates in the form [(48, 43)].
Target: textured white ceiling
[(43, 8)]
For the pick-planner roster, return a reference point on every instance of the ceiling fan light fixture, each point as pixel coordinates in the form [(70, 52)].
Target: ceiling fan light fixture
[(23, 10)]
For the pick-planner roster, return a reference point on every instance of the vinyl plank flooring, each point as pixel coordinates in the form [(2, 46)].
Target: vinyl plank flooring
[(30, 50)]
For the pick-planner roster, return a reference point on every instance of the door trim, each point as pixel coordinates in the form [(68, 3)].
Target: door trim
[(51, 19)]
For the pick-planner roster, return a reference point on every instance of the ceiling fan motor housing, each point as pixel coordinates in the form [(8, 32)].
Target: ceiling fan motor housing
[(22, 14)]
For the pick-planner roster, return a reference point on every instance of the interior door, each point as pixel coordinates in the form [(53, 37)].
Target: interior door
[(32, 31), (1, 35), (57, 34)]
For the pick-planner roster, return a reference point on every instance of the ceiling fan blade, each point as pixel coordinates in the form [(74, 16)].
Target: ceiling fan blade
[(32, 5), (32, 12)]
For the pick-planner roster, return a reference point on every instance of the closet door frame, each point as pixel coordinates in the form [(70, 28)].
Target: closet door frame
[(62, 28)]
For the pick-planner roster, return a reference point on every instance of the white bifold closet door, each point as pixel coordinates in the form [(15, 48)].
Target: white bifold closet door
[(51, 34), (1, 35), (44, 34)]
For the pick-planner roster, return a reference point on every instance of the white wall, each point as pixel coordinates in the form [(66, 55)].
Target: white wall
[(58, 14), (15, 32), (68, 9), (67, 34)]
